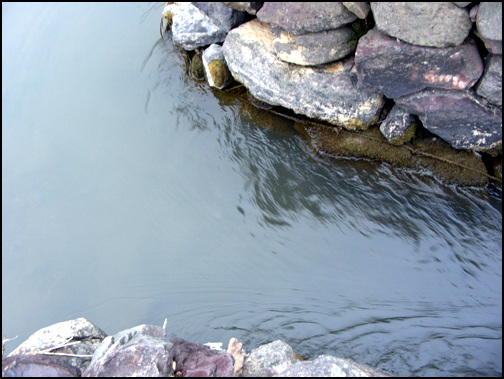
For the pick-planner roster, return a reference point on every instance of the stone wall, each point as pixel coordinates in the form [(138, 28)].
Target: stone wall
[(360, 65)]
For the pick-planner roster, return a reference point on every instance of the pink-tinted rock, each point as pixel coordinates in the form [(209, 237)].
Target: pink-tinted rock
[(196, 360), (396, 68)]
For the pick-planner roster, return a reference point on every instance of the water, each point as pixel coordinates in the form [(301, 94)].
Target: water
[(131, 194)]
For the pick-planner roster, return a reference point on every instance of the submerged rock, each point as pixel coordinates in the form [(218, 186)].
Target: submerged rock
[(328, 92), (414, 68)]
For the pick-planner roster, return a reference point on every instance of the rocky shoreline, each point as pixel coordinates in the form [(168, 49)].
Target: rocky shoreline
[(415, 85), (79, 348)]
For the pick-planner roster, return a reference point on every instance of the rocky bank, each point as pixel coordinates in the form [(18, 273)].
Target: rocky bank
[(79, 348), (417, 84)]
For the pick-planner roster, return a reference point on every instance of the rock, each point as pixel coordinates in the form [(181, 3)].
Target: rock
[(315, 48), (329, 92), (194, 359), (462, 4), (436, 24), (88, 336), (489, 20), (269, 360), (196, 67), (360, 9), (329, 366), (235, 349), (399, 126), (459, 167), (139, 351), (39, 366), (200, 24), (216, 69), (308, 17), (458, 117), (490, 86), (396, 68), (250, 8)]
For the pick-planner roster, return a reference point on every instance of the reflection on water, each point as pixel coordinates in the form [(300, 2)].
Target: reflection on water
[(157, 197)]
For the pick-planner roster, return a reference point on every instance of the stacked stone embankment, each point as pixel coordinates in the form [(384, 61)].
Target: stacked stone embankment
[(410, 69)]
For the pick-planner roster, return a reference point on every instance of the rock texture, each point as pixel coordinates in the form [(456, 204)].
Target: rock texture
[(139, 351), (329, 366), (315, 48), (216, 70), (88, 336), (38, 366), (268, 360), (460, 118), (435, 24), (201, 24), (489, 20), (490, 86), (399, 126), (305, 17), (414, 68), (329, 92)]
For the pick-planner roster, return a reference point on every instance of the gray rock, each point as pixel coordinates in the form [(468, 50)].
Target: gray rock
[(397, 68), (38, 366), (489, 20), (315, 48), (139, 351), (200, 24), (329, 92), (268, 360), (462, 4), (460, 118), (250, 8), (309, 17), (399, 126), (436, 24), (216, 70), (490, 86), (88, 335), (329, 366), (360, 9)]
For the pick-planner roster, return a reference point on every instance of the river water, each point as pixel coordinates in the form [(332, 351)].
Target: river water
[(131, 194)]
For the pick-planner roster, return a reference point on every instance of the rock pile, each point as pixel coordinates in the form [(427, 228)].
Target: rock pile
[(78, 348), (349, 63)]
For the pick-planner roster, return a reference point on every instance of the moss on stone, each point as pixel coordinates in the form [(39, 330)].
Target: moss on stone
[(219, 72)]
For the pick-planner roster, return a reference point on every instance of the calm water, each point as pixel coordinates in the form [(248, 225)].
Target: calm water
[(131, 194)]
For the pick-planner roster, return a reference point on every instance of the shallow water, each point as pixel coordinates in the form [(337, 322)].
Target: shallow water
[(131, 194)]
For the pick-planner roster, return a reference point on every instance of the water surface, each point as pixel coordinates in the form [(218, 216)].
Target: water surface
[(131, 194)]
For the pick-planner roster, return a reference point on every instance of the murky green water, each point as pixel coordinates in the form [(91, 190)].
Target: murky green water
[(131, 194)]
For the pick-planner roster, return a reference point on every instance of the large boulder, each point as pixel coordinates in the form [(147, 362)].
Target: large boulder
[(436, 24), (200, 24), (79, 337), (328, 92), (461, 118), (269, 359), (305, 17), (139, 351), (329, 366), (396, 68)]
